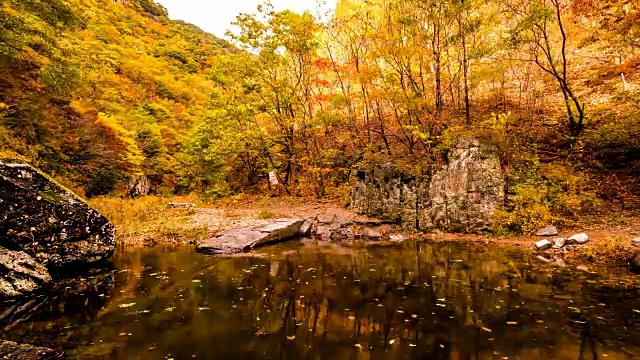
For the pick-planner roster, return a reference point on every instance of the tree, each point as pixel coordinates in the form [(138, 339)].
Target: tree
[(534, 29)]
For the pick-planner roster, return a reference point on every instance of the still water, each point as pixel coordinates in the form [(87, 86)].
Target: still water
[(321, 301)]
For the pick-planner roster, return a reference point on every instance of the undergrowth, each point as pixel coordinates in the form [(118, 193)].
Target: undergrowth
[(148, 221)]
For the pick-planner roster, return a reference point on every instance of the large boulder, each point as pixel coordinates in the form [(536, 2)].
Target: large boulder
[(20, 274), (461, 196), (464, 195), (244, 239), (48, 222)]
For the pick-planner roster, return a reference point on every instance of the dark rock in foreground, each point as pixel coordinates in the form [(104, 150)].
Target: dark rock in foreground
[(48, 222), (20, 274), (244, 239), (634, 263), (13, 351)]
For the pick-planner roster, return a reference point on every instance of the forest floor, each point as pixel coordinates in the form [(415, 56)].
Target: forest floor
[(180, 221)]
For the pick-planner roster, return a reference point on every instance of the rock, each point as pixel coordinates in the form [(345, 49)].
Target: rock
[(323, 232), (13, 351), (579, 239), (371, 233), (544, 259), (461, 196), (48, 222), (634, 263), (326, 219), (245, 239), (20, 274), (305, 229), (560, 262), (582, 268), (464, 195), (397, 238), (547, 231), (542, 245), (342, 234), (139, 185), (571, 247), (635, 241), (559, 243)]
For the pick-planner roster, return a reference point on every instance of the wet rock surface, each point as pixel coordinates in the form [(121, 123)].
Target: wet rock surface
[(20, 274), (239, 240), (48, 222), (12, 351), (461, 196)]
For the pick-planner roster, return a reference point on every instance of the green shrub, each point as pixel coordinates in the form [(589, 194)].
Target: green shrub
[(543, 194)]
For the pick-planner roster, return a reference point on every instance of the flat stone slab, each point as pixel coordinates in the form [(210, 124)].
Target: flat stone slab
[(244, 239), (14, 351)]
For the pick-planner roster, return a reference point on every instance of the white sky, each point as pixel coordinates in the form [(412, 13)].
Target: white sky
[(215, 16)]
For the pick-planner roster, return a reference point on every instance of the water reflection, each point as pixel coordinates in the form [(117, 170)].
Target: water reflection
[(293, 301)]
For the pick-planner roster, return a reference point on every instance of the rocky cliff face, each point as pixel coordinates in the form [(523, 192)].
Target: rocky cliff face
[(48, 224), (461, 196)]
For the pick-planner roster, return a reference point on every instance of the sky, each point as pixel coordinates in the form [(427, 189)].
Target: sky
[(215, 16)]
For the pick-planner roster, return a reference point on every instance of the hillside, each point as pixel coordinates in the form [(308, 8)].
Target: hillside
[(98, 91)]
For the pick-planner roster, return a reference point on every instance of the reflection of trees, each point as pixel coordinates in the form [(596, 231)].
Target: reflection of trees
[(320, 301)]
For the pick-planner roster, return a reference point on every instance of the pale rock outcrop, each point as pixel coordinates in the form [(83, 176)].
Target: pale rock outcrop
[(461, 196)]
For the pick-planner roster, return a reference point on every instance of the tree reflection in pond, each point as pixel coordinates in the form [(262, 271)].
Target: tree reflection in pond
[(317, 301)]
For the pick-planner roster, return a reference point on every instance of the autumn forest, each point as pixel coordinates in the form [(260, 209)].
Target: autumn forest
[(101, 92)]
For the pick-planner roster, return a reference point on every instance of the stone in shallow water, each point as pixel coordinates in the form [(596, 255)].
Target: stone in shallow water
[(20, 274), (305, 229), (244, 239), (548, 231), (48, 222), (13, 351), (635, 241), (372, 233), (542, 245), (579, 239)]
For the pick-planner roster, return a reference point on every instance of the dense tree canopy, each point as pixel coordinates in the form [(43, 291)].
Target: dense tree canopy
[(99, 91)]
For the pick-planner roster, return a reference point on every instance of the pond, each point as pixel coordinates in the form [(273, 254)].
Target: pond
[(306, 300)]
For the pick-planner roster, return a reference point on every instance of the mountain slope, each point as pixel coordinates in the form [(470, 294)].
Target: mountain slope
[(96, 91)]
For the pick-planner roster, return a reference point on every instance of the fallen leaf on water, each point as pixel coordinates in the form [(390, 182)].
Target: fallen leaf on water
[(391, 342), (485, 329), (126, 305), (358, 346), (122, 334), (512, 323), (291, 337)]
